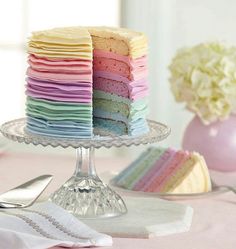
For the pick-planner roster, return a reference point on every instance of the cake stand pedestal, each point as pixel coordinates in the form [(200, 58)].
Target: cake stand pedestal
[(84, 194)]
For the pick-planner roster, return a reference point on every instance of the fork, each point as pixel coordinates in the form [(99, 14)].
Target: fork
[(221, 187)]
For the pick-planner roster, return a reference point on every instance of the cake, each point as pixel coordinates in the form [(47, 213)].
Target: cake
[(166, 170), (84, 77)]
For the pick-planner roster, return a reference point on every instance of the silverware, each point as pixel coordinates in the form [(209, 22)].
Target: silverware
[(222, 187), (26, 194)]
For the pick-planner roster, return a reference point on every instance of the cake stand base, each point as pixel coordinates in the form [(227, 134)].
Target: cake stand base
[(85, 195)]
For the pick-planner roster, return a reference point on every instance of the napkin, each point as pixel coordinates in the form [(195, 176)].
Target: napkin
[(45, 225)]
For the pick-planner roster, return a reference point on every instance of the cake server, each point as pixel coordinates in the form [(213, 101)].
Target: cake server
[(26, 194)]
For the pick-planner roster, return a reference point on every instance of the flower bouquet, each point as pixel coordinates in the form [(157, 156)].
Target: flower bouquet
[(204, 78)]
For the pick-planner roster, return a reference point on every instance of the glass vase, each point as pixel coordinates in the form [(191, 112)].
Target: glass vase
[(216, 142)]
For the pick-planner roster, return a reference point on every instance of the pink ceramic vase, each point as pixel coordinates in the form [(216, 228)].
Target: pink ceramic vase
[(216, 142)]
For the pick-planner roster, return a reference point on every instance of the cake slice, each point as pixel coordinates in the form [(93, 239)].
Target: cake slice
[(165, 170)]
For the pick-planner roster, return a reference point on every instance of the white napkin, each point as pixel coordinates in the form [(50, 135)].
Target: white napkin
[(45, 225)]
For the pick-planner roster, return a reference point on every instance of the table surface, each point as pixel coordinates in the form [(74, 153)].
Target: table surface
[(214, 221)]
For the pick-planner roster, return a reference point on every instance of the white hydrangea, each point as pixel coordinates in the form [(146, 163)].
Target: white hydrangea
[(204, 77)]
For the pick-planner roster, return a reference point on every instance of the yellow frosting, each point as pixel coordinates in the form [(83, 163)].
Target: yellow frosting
[(192, 177), (71, 42), (77, 42)]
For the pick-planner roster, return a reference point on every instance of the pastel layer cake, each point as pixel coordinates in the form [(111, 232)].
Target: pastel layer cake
[(80, 78), (166, 170)]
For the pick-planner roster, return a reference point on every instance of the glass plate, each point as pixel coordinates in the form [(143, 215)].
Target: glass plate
[(216, 190), (15, 130)]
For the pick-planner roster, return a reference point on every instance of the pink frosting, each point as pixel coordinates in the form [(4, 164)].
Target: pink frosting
[(66, 87), (59, 61), (126, 59), (119, 68), (59, 92), (65, 98), (80, 92), (71, 66), (161, 163), (58, 77)]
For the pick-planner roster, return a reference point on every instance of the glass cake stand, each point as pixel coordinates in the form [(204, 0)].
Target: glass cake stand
[(84, 194)]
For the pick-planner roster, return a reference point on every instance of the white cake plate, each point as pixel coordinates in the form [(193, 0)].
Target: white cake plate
[(84, 194)]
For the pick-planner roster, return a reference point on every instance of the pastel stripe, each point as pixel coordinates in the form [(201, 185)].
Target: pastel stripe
[(145, 166), (160, 163), (157, 179)]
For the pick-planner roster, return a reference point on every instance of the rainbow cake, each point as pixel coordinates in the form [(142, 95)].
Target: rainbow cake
[(165, 170), (84, 77)]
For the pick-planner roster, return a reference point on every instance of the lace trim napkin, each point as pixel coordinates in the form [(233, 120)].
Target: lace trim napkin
[(45, 225)]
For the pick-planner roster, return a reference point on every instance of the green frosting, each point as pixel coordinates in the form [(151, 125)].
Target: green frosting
[(58, 105), (58, 111)]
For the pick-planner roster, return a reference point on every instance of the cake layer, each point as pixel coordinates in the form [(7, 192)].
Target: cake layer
[(119, 40), (112, 76), (67, 129), (57, 105), (59, 77), (107, 101), (133, 91), (134, 128), (55, 98), (110, 126), (60, 66), (133, 63), (68, 86), (141, 103), (51, 110), (72, 42), (101, 64), (59, 92), (126, 115), (69, 36)]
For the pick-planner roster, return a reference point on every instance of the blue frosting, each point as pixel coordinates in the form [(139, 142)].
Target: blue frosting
[(65, 129)]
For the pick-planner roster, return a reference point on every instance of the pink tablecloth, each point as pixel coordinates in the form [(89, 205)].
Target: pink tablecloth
[(214, 222)]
